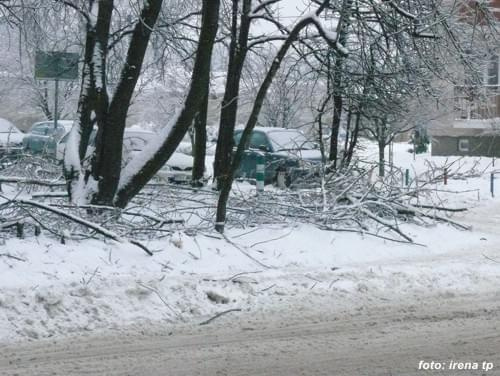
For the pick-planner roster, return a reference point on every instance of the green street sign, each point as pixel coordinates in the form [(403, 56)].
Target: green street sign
[(56, 66)]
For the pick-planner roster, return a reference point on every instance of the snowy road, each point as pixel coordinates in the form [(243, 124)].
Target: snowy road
[(383, 340)]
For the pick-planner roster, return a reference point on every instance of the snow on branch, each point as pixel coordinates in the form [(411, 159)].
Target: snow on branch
[(331, 37)]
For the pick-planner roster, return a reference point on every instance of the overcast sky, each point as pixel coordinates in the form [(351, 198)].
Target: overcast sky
[(289, 11)]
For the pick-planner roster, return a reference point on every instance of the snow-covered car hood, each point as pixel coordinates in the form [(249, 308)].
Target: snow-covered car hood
[(9, 134), (313, 155), (12, 138), (180, 161)]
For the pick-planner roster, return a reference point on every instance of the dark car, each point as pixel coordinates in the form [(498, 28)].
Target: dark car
[(281, 149)]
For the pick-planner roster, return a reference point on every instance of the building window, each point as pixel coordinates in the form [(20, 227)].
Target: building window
[(463, 145)]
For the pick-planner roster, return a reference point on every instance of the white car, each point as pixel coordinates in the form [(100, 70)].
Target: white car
[(177, 169), (11, 138)]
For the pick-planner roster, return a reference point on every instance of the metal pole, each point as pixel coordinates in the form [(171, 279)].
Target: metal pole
[(56, 104), (492, 184), (391, 155), (445, 176), (260, 174)]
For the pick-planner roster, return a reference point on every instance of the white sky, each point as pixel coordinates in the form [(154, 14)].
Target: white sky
[(289, 11)]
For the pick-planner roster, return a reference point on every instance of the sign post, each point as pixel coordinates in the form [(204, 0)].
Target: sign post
[(56, 66)]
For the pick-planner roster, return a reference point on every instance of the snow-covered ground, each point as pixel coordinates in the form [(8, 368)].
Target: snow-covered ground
[(51, 289)]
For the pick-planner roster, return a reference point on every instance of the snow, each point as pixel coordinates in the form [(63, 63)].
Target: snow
[(53, 289)]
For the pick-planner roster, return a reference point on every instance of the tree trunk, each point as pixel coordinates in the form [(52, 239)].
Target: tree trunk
[(107, 162), (347, 135), (229, 108), (381, 158), (91, 98), (138, 178), (200, 142), (343, 27), (353, 141), (254, 115), (337, 115)]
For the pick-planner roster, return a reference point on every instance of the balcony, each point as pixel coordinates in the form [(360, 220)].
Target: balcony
[(477, 106)]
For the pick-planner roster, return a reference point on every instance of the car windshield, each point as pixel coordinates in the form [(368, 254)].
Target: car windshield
[(289, 140)]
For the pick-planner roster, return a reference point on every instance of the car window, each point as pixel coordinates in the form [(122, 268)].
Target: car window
[(39, 129), (257, 140), (136, 141)]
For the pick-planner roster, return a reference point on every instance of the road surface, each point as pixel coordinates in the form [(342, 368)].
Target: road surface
[(380, 340)]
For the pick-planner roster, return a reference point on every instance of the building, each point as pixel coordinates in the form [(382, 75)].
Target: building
[(472, 126)]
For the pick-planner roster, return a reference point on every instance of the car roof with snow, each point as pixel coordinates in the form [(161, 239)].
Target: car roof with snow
[(67, 124), (271, 129), (138, 129)]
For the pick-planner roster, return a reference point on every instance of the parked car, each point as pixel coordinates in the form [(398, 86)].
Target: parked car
[(11, 139), (44, 137), (177, 169), (286, 150)]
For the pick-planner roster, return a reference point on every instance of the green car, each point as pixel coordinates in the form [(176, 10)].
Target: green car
[(286, 150), (43, 137)]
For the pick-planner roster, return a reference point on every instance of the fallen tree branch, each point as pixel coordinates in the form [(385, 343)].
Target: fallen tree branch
[(219, 315), (441, 208), (21, 180), (98, 229), (246, 253), (8, 255), (160, 297)]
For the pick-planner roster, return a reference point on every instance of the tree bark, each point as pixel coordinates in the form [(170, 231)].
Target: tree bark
[(337, 116), (353, 141), (229, 108), (381, 158), (200, 141), (343, 25)]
